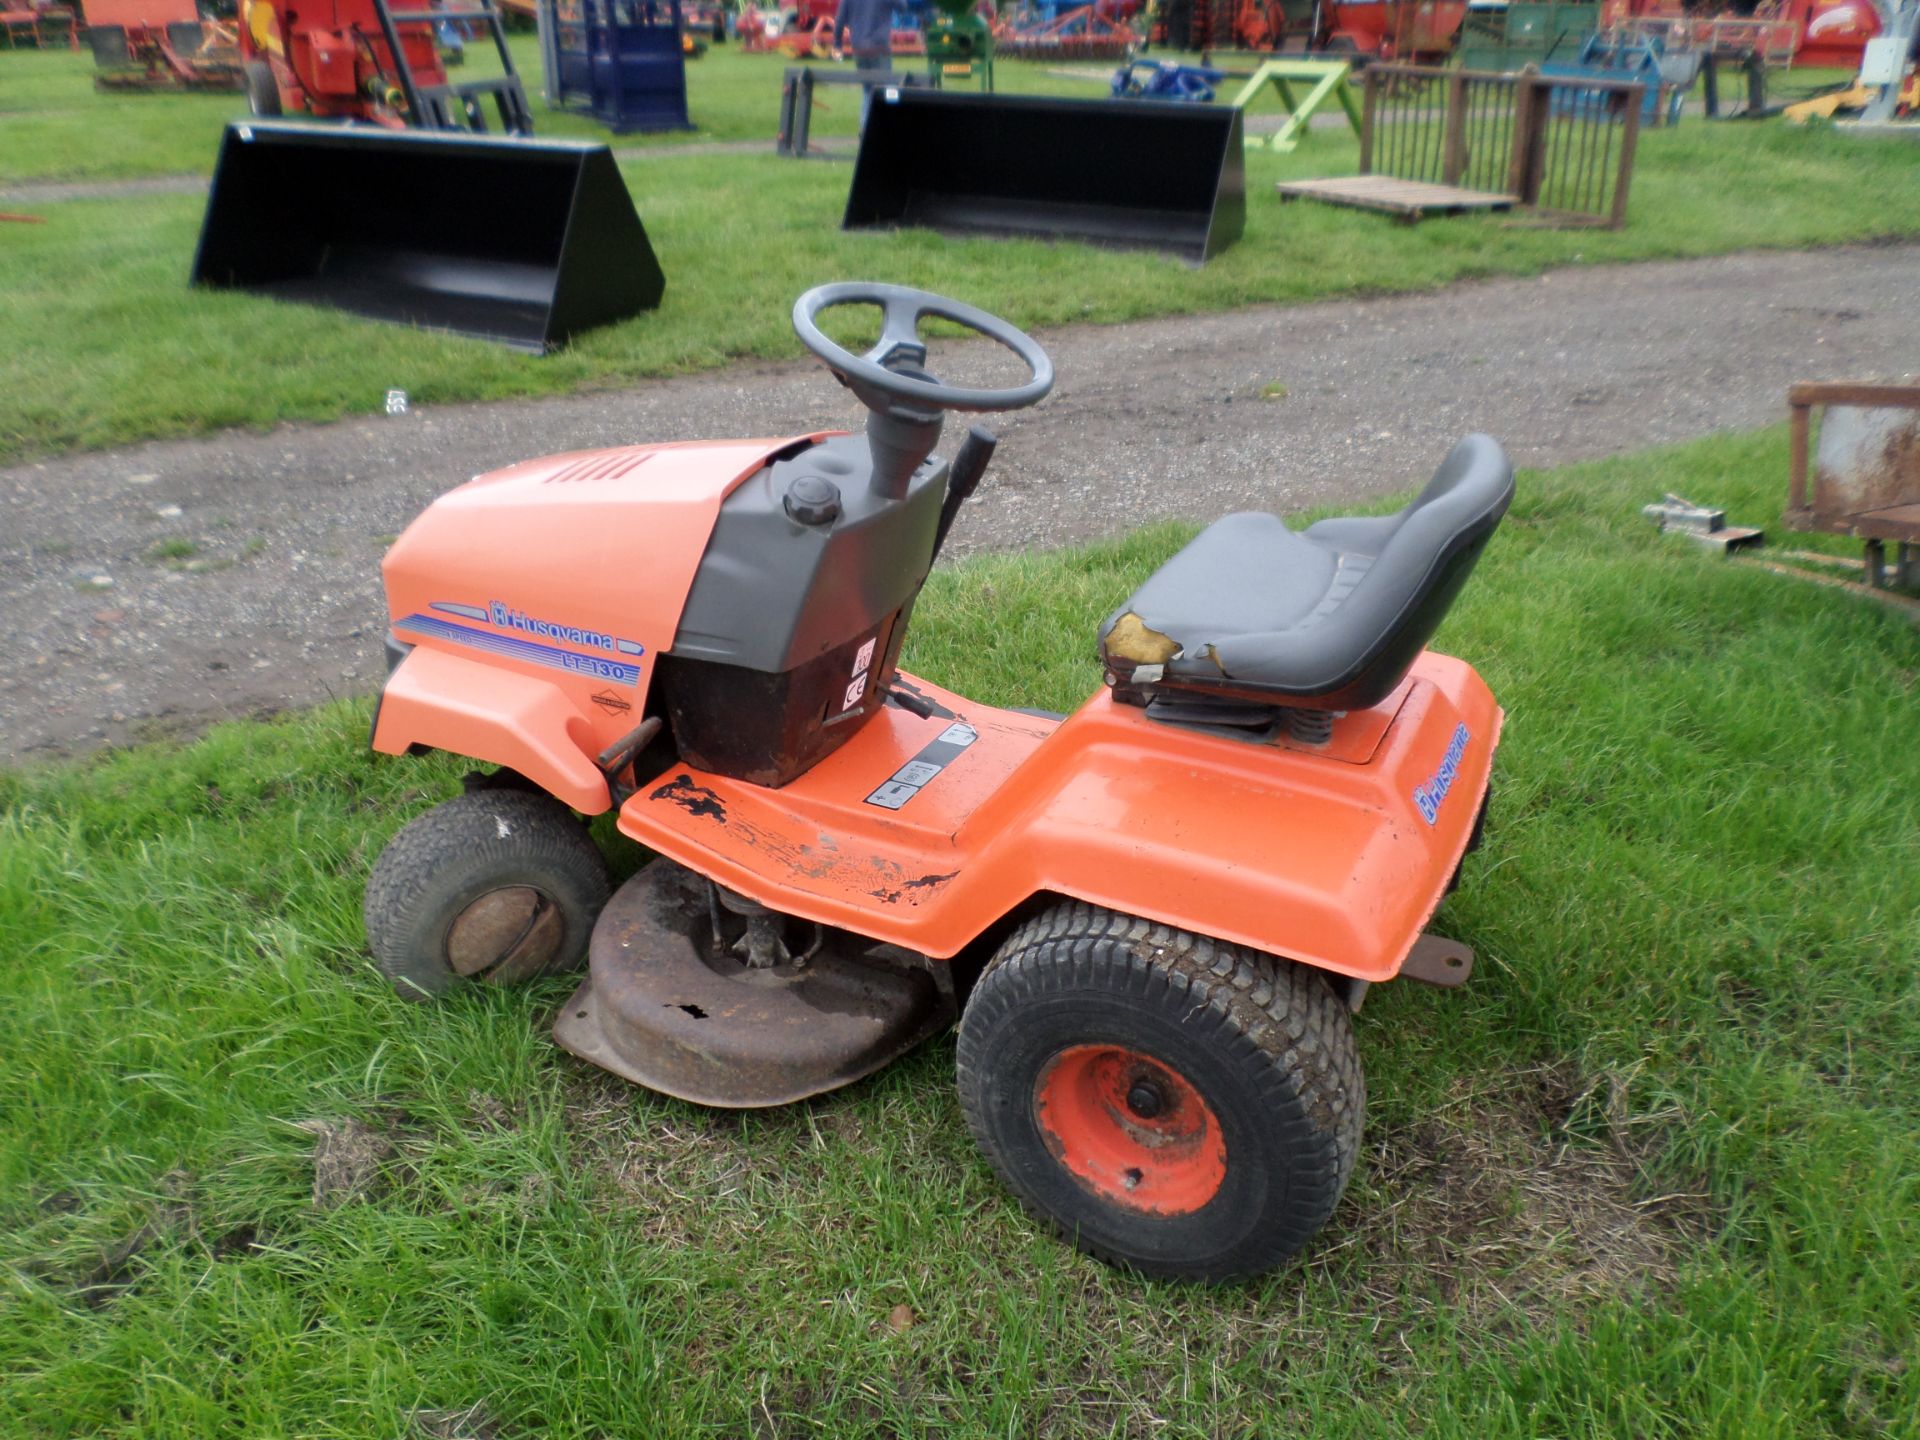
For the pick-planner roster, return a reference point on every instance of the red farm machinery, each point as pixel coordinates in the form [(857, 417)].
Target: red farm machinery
[(160, 45), (1817, 33), (1406, 30), (365, 60), (1063, 30)]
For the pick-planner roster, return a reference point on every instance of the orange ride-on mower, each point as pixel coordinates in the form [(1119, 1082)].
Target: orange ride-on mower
[(1151, 918)]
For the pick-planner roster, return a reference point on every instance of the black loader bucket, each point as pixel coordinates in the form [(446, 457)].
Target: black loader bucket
[(1156, 175), (521, 241)]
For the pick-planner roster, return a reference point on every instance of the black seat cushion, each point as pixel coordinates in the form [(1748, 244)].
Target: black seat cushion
[(1326, 618)]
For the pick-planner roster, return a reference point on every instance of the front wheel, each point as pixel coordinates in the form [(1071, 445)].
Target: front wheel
[(1185, 1107), (263, 94), (494, 885)]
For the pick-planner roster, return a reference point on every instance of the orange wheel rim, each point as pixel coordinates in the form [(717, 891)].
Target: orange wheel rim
[(1130, 1130)]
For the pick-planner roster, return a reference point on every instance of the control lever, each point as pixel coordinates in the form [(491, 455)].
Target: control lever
[(963, 478)]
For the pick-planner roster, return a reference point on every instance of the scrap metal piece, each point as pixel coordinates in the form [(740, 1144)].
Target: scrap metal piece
[(1863, 479), (671, 1004), (1436, 960), (1680, 516)]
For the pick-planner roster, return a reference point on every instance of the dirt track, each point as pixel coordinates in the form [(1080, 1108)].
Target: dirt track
[(279, 602)]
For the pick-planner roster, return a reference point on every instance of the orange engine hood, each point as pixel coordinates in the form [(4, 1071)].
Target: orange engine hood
[(603, 541)]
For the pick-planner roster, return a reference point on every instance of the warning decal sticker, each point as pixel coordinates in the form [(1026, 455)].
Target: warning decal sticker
[(912, 777)]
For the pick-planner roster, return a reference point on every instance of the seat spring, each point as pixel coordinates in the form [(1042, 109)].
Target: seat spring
[(1310, 727)]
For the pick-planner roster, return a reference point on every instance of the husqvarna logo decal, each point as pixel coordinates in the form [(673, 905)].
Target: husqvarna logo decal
[(621, 671), (1428, 798), (498, 612), (508, 618)]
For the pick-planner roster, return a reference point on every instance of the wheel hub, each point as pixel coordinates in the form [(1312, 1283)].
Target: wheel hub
[(1145, 1099), (506, 935), (1129, 1130)]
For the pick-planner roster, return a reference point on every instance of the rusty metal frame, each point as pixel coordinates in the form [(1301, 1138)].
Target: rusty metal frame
[(1565, 167), (1802, 514), (1872, 524)]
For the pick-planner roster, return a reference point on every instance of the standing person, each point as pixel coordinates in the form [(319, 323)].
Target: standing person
[(869, 25)]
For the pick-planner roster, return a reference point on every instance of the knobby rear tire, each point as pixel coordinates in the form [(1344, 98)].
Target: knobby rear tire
[(1267, 1045)]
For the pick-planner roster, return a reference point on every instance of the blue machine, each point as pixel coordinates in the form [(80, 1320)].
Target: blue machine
[(1145, 80), (1641, 58), (621, 61)]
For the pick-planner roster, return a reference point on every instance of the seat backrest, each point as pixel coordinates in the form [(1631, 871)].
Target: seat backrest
[(1467, 496), (109, 44), (1434, 544)]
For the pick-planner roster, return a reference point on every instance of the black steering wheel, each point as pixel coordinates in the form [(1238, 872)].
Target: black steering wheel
[(891, 370)]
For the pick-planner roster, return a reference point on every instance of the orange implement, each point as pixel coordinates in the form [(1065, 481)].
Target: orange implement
[(1151, 919)]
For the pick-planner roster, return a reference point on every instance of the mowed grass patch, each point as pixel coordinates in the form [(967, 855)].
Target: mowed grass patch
[(107, 344), (1653, 1172)]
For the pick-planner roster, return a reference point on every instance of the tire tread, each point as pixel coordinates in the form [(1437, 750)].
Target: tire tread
[(462, 834), (1281, 1023)]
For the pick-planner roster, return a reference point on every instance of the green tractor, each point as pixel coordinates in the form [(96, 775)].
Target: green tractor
[(959, 44)]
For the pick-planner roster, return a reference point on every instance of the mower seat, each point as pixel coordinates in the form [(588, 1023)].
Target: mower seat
[(1329, 618)]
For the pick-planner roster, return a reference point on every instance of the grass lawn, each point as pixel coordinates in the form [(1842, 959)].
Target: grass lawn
[(107, 345), (1653, 1173), (55, 126)]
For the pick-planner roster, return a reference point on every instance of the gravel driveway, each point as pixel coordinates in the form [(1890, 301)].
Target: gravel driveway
[(158, 588)]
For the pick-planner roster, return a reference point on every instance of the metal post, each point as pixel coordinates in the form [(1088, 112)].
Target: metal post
[(515, 114), (1629, 137), (547, 24), (783, 140), (1367, 111), (803, 113), (1530, 95), (1798, 412), (1899, 27), (1454, 161)]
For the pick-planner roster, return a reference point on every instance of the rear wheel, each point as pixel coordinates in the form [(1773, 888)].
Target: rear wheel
[(495, 885), (263, 95), (1172, 1103)]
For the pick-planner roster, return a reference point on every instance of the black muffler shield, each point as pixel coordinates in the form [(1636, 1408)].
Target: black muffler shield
[(525, 242), (1146, 174)]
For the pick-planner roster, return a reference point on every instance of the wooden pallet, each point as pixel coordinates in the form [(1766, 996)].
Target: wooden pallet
[(1409, 200)]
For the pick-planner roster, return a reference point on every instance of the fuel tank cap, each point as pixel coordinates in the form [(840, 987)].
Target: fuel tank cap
[(813, 500)]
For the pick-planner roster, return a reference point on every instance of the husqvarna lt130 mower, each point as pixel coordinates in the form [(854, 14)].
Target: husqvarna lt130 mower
[(1151, 918)]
